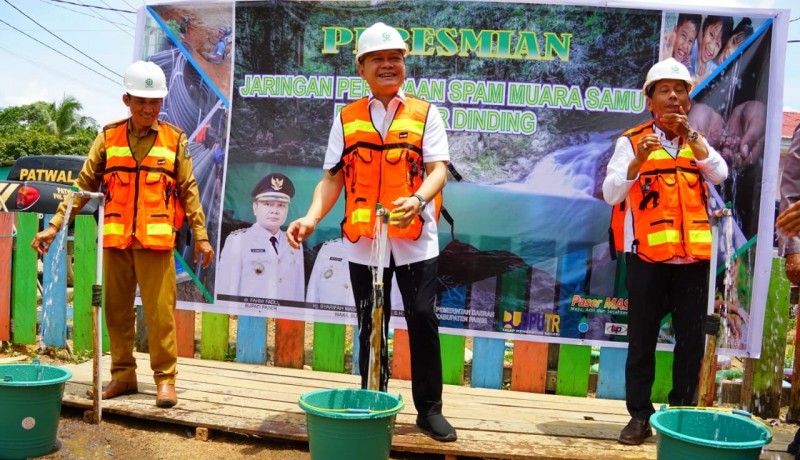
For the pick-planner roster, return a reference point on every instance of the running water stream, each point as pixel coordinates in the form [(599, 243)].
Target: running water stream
[(52, 258), (730, 294)]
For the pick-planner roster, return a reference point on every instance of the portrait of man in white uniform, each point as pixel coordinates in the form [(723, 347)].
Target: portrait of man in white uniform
[(258, 261)]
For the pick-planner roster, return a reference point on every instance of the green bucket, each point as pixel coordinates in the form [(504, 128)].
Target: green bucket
[(697, 434), (30, 398), (349, 423)]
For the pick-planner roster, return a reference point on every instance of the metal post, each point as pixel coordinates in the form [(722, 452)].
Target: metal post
[(712, 325)]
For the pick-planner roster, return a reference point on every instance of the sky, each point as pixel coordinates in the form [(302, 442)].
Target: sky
[(102, 41)]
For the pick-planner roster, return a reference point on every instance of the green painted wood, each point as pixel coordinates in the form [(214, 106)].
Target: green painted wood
[(85, 269), (574, 362), (24, 280), (452, 347), (663, 382), (768, 369), (328, 347), (214, 336)]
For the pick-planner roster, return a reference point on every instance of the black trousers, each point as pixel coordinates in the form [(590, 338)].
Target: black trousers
[(654, 290), (417, 284)]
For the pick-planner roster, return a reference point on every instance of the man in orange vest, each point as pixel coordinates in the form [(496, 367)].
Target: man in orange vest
[(390, 149), (656, 182), (145, 170)]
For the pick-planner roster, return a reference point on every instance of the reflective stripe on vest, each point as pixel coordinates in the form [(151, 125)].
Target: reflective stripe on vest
[(141, 200), (378, 171), (668, 204)]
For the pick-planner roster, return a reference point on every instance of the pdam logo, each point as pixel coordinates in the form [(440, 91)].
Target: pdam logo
[(616, 329)]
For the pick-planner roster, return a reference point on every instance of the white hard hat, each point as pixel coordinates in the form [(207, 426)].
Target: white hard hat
[(380, 37), (668, 69), (145, 79)]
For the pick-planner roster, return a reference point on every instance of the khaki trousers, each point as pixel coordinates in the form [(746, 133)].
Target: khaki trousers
[(155, 273)]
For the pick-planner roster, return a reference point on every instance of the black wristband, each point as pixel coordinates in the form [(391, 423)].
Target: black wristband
[(422, 202)]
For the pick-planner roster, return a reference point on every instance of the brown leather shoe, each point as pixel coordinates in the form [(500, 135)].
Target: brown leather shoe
[(166, 397), (635, 432), (116, 388)]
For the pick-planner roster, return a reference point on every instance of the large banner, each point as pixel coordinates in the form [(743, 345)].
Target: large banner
[(533, 97)]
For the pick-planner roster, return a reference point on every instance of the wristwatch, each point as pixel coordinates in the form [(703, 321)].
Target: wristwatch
[(422, 202), (692, 136)]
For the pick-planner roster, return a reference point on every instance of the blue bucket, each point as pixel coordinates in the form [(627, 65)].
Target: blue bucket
[(30, 398), (697, 434)]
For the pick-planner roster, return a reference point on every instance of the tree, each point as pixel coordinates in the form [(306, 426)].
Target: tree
[(45, 128), (64, 117), (30, 116)]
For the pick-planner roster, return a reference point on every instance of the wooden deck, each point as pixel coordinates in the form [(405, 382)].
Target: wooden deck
[(261, 400)]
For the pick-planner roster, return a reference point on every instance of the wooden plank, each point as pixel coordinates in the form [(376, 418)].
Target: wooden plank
[(452, 358), (401, 355), (251, 339), (25, 278), (611, 378), (768, 371), (85, 269), (453, 346), (54, 291), (487, 363), (290, 343), (7, 221), (529, 361), (663, 379), (328, 347), (487, 354), (529, 367), (184, 328), (262, 401), (214, 336), (574, 362)]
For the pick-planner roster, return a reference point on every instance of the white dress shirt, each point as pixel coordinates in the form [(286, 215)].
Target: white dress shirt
[(249, 266)]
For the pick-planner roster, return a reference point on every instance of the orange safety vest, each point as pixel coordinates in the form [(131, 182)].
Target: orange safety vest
[(668, 206), (378, 171), (141, 199)]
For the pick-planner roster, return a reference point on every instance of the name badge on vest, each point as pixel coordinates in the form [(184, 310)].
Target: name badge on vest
[(258, 250), (403, 135)]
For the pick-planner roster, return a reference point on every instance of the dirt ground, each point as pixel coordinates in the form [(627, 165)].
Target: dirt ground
[(121, 437)]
